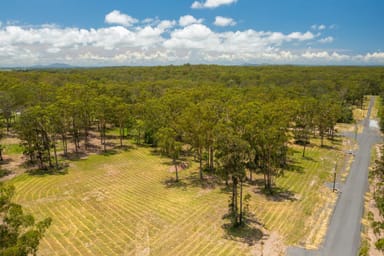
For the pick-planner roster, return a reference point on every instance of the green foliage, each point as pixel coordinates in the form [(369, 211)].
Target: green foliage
[(346, 114), (380, 244), (19, 233), (229, 118), (364, 248), (3, 172)]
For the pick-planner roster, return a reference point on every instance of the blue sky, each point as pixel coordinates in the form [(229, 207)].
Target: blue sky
[(162, 32)]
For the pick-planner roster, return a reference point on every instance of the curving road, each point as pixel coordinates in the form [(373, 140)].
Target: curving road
[(343, 235)]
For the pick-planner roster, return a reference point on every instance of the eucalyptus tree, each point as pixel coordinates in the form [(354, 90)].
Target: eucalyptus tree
[(167, 140), (20, 233), (303, 121), (7, 108), (78, 99), (327, 112), (32, 129), (271, 138), (122, 116), (232, 153), (193, 123), (104, 107)]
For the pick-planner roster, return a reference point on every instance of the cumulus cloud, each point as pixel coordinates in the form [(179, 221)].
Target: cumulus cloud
[(326, 40), (211, 3), (224, 22), (188, 20), (116, 17), (377, 57), (157, 42)]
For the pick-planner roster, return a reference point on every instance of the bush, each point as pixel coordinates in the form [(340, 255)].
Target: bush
[(364, 248), (3, 172), (380, 244)]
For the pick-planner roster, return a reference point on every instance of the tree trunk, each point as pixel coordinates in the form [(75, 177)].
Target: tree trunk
[(121, 135), (305, 144), (1, 153), (235, 208), (233, 203), (241, 203), (101, 133), (105, 139), (265, 180), (85, 137), (65, 146), (138, 136), (40, 157), (177, 174), (211, 156), (55, 155), (200, 165)]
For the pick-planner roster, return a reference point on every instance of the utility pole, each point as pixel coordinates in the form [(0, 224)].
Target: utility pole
[(334, 178)]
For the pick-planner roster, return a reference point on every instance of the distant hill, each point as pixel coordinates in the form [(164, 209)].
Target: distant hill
[(52, 66)]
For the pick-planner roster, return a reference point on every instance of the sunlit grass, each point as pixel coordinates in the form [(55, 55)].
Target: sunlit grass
[(124, 203)]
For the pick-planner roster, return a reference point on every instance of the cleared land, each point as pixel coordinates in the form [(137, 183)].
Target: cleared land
[(126, 204)]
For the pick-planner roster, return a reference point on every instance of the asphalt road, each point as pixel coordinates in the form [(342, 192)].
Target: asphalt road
[(343, 234)]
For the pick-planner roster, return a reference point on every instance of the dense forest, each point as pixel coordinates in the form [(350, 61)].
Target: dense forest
[(234, 121)]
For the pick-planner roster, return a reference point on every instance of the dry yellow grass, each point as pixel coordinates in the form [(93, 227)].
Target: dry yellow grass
[(123, 204)]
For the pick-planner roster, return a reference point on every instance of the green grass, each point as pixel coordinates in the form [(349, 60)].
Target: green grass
[(13, 149), (124, 204), (121, 205)]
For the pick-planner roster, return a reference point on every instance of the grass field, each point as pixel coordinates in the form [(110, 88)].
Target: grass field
[(125, 204)]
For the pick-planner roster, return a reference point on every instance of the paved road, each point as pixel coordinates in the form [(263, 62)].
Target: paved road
[(343, 235)]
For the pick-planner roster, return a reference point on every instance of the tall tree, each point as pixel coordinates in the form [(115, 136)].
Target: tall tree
[(232, 155), (7, 105), (167, 140), (304, 121)]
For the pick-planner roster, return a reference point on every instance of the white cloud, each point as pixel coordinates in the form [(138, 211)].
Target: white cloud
[(116, 17), (166, 24), (301, 36), (321, 27), (188, 20), (157, 42), (377, 57), (224, 22), (326, 40), (318, 27), (211, 3)]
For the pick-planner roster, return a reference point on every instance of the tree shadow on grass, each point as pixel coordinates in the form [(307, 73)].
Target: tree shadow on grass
[(279, 195), (328, 147), (4, 173), (62, 170), (293, 166), (109, 152), (249, 232), (208, 181), (6, 161), (75, 156), (126, 147), (172, 183)]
